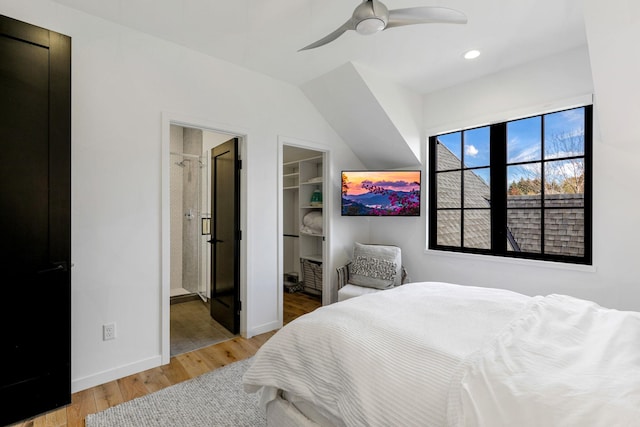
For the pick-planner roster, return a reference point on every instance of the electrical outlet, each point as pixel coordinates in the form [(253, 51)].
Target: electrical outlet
[(108, 331)]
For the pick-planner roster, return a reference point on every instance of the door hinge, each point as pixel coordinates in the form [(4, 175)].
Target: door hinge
[(239, 234), (239, 164), (239, 306)]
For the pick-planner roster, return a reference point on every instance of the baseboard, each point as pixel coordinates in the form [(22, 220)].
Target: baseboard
[(114, 374), (266, 327)]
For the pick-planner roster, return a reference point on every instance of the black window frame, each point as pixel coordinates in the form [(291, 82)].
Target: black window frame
[(498, 193)]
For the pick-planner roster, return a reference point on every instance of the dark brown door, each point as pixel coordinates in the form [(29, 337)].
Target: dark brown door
[(225, 236), (35, 220)]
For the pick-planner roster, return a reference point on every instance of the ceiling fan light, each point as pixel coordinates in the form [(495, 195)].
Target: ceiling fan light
[(472, 54), (370, 26)]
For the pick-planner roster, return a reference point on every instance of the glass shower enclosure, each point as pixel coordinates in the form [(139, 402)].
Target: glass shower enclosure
[(189, 248)]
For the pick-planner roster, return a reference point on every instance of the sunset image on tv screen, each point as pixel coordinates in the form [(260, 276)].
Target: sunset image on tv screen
[(381, 193)]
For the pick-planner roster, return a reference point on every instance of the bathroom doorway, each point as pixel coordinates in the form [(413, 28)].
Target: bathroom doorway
[(190, 183)]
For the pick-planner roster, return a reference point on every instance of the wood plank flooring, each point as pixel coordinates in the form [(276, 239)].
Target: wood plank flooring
[(180, 368)]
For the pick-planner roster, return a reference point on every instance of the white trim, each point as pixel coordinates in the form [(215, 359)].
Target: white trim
[(327, 205), (509, 115), (514, 261), (104, 377), (559, 105), (168, 119), (266, 327)]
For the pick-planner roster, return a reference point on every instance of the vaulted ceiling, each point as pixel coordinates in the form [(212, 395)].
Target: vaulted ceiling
[(265, 35)]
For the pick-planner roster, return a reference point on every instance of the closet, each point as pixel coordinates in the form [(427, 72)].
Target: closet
[(303, 188)]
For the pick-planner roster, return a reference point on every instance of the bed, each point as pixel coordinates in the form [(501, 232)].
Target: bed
[(441, 354)]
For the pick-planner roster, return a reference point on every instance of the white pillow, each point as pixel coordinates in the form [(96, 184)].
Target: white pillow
[(376, 266)]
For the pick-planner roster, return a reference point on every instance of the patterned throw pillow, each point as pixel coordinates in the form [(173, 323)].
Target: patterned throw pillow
[(375, 266)]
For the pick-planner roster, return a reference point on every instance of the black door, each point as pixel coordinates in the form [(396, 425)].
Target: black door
[(35, 220), (225, 236)]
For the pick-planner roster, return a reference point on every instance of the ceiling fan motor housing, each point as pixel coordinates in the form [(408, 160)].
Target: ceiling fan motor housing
[(370, 17)]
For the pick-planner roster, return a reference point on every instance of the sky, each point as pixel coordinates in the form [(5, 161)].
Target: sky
[(393, 180), (563, 133)]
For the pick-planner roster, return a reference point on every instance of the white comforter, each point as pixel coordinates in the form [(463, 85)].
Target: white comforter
[(384, 359), (565, 362), (436, 354)]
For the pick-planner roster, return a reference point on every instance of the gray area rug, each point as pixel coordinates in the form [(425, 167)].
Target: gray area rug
[(216, 398)]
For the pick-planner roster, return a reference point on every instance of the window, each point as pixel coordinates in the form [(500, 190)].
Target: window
[(519, 189)]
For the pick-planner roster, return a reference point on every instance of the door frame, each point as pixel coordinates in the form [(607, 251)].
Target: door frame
[(327, 198), (169, 119)]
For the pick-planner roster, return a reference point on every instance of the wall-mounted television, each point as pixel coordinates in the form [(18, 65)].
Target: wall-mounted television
[(381, 193)]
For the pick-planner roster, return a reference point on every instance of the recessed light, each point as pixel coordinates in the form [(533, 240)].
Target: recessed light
[(472, 54)]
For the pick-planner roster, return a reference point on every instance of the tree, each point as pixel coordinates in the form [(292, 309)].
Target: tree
[(563, 176), (345, 185), (567, 175), (407, 203)]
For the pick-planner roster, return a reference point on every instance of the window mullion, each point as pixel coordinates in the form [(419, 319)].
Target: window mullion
[(498, 174), (543, 182), (462, 161)]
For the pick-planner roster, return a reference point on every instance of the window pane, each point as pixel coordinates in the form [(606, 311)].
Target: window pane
[(564, 134), (477, 193), (449, 228), (563, 177), (449, 190), (524, 230), (564, 232), (524, 141), (477, 228), (524, 184), (476, 147), (542, 203), (449, 154)]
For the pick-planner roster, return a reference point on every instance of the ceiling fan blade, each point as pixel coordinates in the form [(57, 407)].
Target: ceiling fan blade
[(425, 15), (349, 25)]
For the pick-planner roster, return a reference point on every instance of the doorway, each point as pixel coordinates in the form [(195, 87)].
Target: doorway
[(187, 320), (305, 203)]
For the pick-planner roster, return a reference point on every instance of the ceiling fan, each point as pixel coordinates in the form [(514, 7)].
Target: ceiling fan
[(371, 16)]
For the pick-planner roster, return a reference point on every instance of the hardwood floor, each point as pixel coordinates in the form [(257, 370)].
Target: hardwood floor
[(180, 368)]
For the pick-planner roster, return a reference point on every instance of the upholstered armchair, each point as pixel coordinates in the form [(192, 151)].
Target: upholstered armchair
[(373, 268)]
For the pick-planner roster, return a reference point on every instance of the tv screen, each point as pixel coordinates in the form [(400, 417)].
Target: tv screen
[(381, 193)]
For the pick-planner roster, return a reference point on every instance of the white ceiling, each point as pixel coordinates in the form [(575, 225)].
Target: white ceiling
[(264, 35)]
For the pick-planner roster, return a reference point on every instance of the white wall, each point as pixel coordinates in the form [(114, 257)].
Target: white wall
[(613, 31), (551, 83), (403, 106), (122, 82)]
